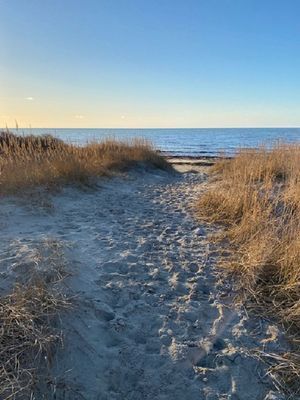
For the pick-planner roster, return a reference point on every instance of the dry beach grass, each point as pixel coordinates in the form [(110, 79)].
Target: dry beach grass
[(29, 319), (27, 336), (255, 198), (27, 161)]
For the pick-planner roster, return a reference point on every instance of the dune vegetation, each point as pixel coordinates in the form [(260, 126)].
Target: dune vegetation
[(255, 199), (30, 320), (27, 318), (28, 161)]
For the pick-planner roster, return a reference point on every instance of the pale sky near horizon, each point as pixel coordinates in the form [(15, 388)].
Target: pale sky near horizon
[(150, 63)]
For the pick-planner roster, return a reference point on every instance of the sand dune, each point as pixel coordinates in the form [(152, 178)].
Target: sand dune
[(152, 318)]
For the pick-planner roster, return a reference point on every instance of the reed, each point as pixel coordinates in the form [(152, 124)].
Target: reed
[(27, 161)]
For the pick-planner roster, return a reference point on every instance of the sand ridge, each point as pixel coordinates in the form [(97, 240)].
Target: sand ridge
[(152, 318)]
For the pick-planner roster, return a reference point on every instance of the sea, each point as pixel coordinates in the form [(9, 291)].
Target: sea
[(195, 142)]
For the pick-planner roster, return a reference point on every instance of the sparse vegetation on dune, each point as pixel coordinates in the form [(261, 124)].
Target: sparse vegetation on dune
[(27, 161), (255, 197), (29, 321), (27, 336)]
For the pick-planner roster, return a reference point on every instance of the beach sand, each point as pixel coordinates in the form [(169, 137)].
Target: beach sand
[(152, 317), (191, 164)]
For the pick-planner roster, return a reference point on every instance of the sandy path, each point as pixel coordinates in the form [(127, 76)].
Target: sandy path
[(151, 319)]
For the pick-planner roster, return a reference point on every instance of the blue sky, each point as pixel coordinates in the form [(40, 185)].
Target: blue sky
[(150, 63)]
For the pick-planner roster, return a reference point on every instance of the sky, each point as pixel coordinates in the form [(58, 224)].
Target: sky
[(149, 63)]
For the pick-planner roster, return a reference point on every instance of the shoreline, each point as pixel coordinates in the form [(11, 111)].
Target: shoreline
[(190, 163)]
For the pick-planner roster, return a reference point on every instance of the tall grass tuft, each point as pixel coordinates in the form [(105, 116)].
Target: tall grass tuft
[(27, 337), (27, 161), (255, 199)]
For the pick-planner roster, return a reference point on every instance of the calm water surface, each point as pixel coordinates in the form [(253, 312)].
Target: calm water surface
[(183, 142)]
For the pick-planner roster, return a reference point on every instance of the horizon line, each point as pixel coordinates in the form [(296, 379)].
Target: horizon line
[(154, 128)]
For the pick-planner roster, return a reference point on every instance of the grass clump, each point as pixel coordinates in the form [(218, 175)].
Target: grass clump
[(29, 323), (26, 336), (27, 161), (255, 199)]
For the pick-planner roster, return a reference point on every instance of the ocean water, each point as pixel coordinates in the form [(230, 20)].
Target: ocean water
[(182, 142)]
